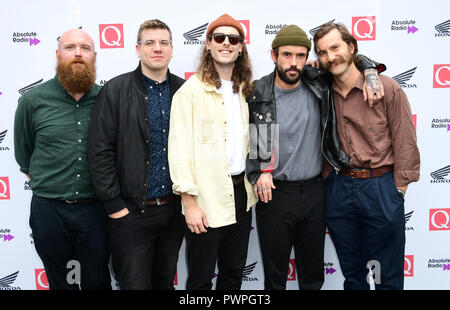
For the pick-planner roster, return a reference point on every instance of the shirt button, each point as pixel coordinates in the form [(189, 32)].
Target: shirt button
[(76, 193), (79, 158), (79, 123), (164, 168), (162, 112), (78, 175), (162, 186), (164, 149), (146, 141), (79, 140), (147, 162), (164, 130), (160, 94), (78, 105)]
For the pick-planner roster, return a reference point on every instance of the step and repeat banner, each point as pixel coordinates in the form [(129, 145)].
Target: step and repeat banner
[(411, 37)]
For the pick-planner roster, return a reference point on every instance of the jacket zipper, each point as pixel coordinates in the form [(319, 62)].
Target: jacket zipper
[(336, 169)]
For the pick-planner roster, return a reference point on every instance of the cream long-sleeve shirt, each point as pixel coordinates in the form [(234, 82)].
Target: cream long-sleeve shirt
[(198, 157)]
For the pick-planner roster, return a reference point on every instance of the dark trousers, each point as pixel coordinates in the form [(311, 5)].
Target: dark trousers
[(366, 221), (63, 232), (227, 246), (145, 246), (295, 217)]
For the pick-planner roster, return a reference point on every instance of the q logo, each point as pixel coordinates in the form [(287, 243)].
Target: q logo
[(4, 188), (441, 76), (41, 280), (364, 28), (246, 26), (408, 267), (439, 219), (291, 272), (111, 35)]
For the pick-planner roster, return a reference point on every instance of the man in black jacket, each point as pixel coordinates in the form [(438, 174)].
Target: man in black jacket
[(292, 129), (127, 151)]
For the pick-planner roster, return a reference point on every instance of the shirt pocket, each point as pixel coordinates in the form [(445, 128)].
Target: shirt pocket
[(207, 131)]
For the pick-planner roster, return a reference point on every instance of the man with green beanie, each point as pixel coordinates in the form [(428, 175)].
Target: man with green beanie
[(292, 130)]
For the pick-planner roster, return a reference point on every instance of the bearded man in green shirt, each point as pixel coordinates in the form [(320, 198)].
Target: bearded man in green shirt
[(50, 137)]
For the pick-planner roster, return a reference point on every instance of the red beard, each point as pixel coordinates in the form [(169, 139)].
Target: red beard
[(76, 76)]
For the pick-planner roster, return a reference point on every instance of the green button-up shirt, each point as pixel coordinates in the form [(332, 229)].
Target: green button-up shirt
[(50, 140)]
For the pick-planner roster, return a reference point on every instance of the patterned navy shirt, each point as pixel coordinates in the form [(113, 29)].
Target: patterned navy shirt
[(159, 183)]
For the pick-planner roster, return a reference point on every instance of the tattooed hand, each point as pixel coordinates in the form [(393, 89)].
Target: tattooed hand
[(373, 90)]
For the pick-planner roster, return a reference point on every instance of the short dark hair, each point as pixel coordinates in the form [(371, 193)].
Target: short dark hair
[(153, 24)]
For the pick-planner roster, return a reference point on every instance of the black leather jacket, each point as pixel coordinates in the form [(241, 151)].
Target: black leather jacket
[(262, 113), (119, 141)]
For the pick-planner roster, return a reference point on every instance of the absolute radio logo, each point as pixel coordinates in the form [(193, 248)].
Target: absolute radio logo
[(364, 28), (441, 76), (441, 124), (4, 188), (408, 269), (439, 263), (408, 26), (272, 29), (5, 235), (25, 37), (111, 35), (329, 269), (439, 219), (41, 280)]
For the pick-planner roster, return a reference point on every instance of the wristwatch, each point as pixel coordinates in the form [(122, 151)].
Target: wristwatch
[(401, 192)]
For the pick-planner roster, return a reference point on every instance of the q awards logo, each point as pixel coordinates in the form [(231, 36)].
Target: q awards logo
[(41, 280), (246, 26), (4, 188), (111, 35), (441, 76), (408, 267), (292, 273), (439, 219), (364, 28)]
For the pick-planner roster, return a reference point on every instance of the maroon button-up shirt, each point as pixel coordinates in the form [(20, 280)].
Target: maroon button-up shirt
[(378, 136)]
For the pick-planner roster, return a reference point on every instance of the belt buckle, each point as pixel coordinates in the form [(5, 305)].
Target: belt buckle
[(71, 201), (158, 202), (351, 174)]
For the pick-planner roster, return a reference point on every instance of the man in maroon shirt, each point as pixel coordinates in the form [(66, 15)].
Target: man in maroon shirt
[(365, 203)]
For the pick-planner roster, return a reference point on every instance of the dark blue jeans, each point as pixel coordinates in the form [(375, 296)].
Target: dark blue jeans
[(63, 232), (366, 221)]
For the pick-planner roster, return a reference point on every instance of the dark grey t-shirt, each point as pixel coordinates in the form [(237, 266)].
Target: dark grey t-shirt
[(298, 117)]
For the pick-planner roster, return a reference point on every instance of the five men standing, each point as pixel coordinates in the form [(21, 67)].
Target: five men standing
[(211, 158)]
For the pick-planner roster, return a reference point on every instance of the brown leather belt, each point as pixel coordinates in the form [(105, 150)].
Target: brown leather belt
[(238, 179), (160, 201), (362, 173), (82, 200)]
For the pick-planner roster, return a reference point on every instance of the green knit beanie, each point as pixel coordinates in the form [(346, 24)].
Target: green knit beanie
[(291, 35)]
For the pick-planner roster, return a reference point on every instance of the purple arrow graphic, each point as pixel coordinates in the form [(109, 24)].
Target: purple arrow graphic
[(330, 270), (7, 237), (412, 29), (34, 41), (448, 127), (1, 93)]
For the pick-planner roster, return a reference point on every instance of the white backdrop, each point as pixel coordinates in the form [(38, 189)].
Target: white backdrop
[(411, 37)]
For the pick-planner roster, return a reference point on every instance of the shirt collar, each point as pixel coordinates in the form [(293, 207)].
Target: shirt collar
[(359, 84)]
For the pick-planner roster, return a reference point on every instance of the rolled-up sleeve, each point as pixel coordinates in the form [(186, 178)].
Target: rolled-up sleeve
[(404, 139), (181, 144)]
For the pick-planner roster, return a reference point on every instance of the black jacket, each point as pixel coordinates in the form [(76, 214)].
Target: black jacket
[(119, 141), (262, 112)]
